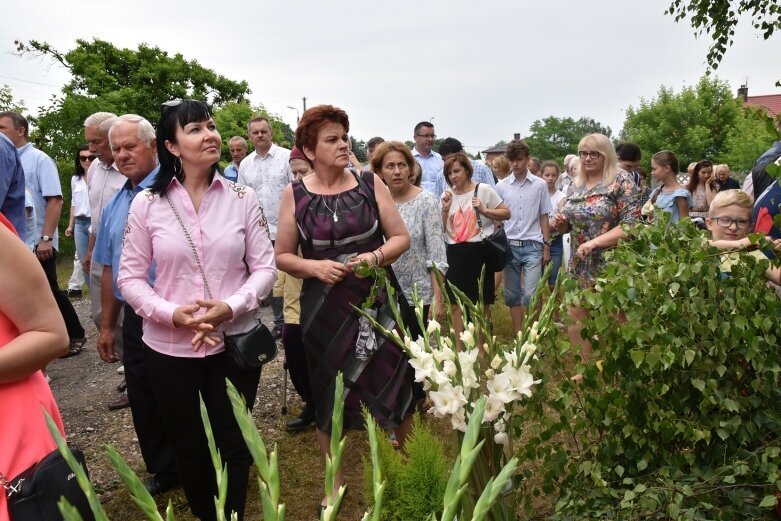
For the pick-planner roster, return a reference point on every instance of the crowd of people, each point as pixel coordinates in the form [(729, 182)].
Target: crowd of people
[(178, 252)]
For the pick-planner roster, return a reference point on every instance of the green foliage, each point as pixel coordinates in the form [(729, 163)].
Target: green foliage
[(718, 19), (748, 139), (107, 78), (694, 123), (7, 101), (554, 138), (415, 483), (678, 416)]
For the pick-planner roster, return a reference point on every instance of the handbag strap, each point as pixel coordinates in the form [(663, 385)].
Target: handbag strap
[(192, 247)]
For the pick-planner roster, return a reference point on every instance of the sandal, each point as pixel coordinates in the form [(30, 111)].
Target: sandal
[(75, 347)]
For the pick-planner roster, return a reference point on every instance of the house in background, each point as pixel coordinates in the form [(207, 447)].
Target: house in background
[(770, 102), (489, 154)]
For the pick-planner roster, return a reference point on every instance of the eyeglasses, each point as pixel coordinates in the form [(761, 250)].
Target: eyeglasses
[(593, 154), (726, 222), (88, 158), (390, 167), (427, 136), (168, 105)]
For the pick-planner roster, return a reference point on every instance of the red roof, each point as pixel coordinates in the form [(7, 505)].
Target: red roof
[(771, 102)]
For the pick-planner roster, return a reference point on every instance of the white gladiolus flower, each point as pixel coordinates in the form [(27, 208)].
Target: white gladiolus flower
[(433, 326), (467, 358), (496, 362), (521, 380), (424, 367), (469, 379), (458, 420), (501, 438), (413, 347), (533, 332), (449, 368), (447, 341), (440, 379), (511, 358), (467, 338), (493, 408), (489, 373), (447, 400), (500, 425), (499, 388)]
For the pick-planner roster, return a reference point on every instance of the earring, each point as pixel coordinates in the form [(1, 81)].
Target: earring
[(179, 171)]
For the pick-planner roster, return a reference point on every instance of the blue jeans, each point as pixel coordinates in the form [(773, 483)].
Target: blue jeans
[(527, 260), (79, 277), (556, 259)]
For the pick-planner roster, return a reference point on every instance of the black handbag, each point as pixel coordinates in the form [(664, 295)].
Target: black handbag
[(252, 349), (33, 495), (248, 350), (496, 247)]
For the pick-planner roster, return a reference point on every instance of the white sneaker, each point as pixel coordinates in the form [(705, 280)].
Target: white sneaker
[(121, 369)]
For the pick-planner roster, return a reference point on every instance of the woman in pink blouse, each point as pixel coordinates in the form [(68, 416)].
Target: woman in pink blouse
[(186, 316)]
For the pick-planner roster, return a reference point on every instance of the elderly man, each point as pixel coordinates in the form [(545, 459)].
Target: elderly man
[(134, 150), (267, 171), (43, 182), (103, 182), (431, 163), (238, 150)]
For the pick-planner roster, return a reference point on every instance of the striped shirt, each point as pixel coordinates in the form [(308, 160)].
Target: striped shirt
[(526, 200)]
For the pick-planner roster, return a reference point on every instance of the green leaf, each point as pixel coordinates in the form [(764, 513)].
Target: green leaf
[(768, 501), (642, 465), (637, 357), (698, 384), (688, 355)]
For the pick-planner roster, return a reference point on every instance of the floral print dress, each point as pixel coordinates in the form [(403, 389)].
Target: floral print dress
[(592, 212)]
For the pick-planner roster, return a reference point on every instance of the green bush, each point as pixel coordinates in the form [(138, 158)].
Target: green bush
[(416, 482), (678, 413)]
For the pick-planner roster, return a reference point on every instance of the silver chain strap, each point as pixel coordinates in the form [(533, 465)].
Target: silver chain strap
[(192, 247), (10, 489)]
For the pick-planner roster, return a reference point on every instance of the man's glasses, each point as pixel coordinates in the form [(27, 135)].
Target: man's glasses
[(726, 222), (427, 136), (88, 158), (583, 154)]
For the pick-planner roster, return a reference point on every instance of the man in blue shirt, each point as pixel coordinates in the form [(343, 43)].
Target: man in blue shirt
[(12, 185), (43, 182), (237, 146), (430, 162), (134, 148)]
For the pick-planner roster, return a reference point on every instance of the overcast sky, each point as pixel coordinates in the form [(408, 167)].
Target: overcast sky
[(481, 70)]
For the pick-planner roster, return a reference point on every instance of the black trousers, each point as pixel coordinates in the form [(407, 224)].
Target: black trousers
[(176, 382), (72, 323), (156, 447), (295, 357)]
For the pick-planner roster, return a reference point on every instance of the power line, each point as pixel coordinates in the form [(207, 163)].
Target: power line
[(29, 81)]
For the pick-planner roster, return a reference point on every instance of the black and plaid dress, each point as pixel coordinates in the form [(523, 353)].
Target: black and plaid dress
[(329, 323)]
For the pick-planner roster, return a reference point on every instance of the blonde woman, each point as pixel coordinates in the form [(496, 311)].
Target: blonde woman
[(600, 200)]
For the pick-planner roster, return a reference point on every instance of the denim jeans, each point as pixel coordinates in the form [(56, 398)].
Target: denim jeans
[(526, 260), (556, 259), (81, 238)]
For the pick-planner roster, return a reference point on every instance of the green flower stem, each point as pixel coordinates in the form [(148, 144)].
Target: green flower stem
[(138, 492)]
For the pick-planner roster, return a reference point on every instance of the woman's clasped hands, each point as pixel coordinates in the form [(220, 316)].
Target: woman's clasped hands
[(204, 325)]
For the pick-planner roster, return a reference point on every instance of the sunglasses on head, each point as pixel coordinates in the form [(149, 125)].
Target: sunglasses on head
[(170, 104)]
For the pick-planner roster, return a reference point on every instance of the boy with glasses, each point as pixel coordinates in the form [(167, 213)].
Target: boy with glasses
[(729, 222)]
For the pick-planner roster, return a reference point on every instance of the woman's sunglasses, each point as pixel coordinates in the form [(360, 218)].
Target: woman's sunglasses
[(91, 157)]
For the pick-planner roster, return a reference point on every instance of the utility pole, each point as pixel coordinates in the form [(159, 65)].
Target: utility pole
[(304, 103)]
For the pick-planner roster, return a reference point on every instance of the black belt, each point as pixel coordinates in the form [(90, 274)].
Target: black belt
[(82, 218)]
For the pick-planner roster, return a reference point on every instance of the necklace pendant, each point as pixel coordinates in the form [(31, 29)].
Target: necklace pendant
[(336, 219)]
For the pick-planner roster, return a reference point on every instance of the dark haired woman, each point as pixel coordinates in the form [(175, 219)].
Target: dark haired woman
[(698, 186), (461, 207), (207, 281), (78, 226), (341, 219)]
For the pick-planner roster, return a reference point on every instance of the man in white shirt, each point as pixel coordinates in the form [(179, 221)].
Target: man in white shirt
[(103, 181), (430, 162), (267, 171)]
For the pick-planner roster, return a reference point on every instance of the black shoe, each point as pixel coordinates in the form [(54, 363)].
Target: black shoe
[(303, 420), (74, 293), (158, 484), (276, 332)]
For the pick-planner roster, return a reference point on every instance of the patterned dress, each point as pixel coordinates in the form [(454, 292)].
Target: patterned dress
[(382, 381), (592, 212)]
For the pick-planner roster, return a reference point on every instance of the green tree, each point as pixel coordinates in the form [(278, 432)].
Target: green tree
[(718, 19), (748, 139), (7, 101), (108, 78), (554, 138), (693, 123)]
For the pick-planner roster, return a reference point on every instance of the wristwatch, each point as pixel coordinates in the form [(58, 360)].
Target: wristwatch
[(46, 238)]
